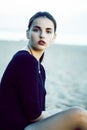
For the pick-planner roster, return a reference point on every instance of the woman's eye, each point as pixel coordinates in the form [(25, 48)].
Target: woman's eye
[(49, 31), (35, 29)]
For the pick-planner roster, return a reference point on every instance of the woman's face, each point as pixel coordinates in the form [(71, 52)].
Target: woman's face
[(41, 33)]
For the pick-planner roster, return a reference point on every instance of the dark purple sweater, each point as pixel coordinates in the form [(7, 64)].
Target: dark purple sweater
[(22, 92)]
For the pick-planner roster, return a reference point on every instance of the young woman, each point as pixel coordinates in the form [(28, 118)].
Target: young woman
[(22, 88)]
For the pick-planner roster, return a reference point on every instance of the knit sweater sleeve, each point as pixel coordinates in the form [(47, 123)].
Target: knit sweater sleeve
[(26, 75)]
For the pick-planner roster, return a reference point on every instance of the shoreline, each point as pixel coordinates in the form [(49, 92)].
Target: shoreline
[(57, 43)]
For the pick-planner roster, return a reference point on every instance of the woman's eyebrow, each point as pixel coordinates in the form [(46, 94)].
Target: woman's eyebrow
[(49, 28), (37, 27)]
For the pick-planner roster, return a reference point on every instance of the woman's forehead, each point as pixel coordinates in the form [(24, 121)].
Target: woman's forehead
[(43, 21)]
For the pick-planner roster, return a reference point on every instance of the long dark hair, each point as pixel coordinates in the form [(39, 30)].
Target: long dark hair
[(42, 14)]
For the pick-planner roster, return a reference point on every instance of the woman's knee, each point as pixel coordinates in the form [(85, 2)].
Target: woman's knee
[(79, 114)]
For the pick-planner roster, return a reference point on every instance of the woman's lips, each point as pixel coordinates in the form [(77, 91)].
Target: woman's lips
[(41, 42)]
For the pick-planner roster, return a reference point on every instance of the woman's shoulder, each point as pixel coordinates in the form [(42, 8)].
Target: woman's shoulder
[(23, 58), (24, 55)]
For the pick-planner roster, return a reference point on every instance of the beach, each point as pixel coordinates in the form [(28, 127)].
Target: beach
[(66, 73)]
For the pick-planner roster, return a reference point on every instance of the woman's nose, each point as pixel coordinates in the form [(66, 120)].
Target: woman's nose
[(42, 35)]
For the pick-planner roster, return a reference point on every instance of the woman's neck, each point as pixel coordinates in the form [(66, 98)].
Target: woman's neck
[(36, 53)]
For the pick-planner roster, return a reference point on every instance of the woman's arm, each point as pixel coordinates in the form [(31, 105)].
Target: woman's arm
[(26, 74)]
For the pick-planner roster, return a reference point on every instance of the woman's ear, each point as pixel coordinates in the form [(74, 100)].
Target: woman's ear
[(27, 34)]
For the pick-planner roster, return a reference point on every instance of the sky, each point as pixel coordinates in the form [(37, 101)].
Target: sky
[(71, 17)]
